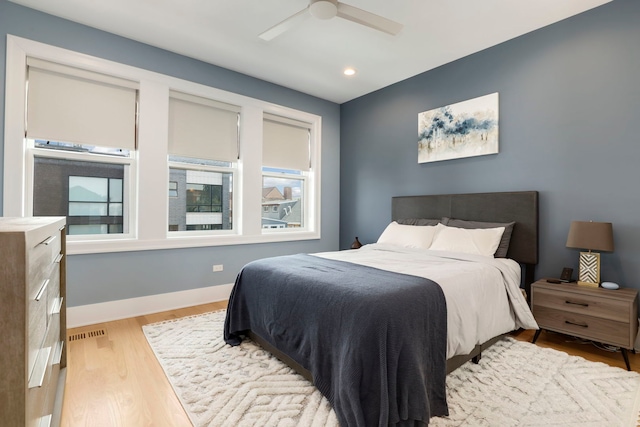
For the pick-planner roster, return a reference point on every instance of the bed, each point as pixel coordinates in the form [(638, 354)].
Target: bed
[(372, 329)]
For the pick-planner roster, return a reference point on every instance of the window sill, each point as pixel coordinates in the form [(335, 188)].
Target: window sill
[(129, 245)]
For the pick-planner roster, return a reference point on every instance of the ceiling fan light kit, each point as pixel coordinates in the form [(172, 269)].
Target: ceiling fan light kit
[(323, 9), (327, 9)]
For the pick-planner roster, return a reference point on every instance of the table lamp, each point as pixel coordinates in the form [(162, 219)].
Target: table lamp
[(593, 236)]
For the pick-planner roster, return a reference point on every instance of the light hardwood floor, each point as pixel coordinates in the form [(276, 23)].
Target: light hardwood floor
[(115, 380)]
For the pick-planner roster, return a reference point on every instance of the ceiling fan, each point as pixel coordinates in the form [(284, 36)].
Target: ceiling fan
[(327, 9)]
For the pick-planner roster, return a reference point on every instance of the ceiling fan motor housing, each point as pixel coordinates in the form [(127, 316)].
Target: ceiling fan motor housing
[(323, 9)]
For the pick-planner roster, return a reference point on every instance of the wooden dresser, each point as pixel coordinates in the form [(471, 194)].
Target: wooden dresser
[(597, 314), (33, 320)]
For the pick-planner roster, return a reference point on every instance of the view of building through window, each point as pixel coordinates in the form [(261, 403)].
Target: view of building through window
[(282, 198), (200, 200), (93, 197), (89, 194)]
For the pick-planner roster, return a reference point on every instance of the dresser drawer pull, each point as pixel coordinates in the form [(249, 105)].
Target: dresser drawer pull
[(57, 307), (583, 304), (582, 325), (49, 240), (45, 421), (58, 258), (42, 289), (40, 368), (57, 355)]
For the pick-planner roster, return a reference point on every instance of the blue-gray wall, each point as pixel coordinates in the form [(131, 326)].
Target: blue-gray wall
[(113, 276), (569, 128)]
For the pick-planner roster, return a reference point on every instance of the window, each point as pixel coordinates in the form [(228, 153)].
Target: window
[(98, 148), (203, 152), (286, 166), (90, 194), (285, 211), (79, 122), (173, 189), (204, 200), (97, 203)]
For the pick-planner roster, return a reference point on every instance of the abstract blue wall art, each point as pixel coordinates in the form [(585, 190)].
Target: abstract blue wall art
[(465, 129)]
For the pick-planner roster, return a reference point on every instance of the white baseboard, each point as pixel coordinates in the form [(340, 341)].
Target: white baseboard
[(121, 309)]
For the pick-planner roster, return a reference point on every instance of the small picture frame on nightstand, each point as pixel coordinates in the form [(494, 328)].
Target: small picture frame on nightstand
[(566, 274)]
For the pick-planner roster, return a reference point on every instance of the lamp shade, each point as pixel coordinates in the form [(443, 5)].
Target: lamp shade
[(597, 236)]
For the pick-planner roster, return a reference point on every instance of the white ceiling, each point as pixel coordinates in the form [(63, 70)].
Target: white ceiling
[(310, 57)]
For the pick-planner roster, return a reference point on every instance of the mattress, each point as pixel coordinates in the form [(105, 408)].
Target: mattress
[(482, 294)]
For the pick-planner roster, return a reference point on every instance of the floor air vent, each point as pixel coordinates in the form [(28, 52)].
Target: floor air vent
[(90, 334)]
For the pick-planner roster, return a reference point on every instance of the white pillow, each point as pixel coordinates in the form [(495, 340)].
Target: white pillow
[(478, 241), (408, 236)]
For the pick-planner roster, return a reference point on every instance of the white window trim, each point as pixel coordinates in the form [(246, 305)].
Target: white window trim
[(152, 167)]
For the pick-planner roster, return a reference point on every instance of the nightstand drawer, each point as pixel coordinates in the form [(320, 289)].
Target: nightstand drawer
[(584, 326), (611, 309)]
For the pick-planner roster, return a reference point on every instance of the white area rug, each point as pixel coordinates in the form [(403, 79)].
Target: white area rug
[(515, 384)]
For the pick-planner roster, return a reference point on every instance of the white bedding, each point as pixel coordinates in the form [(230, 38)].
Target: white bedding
[(482, 293)]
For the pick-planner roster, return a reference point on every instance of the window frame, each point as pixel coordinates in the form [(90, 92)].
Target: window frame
[(149, 222), (107, 203), (233, 170), (300, 176), (173, 189), (129, 189)]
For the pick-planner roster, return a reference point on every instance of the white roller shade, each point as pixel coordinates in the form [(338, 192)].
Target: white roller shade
[(285, 143), (202, 128), (78, 106)]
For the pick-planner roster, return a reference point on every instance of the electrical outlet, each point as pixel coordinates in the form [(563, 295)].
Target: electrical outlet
[(217, 267)]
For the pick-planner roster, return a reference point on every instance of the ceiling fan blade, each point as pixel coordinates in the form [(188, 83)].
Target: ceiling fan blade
[(283, 26), (368, 19)]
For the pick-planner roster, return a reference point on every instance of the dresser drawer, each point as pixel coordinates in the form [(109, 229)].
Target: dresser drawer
[(38, 314), (42, 389), (44, 300), (612, 309), (53, 292), (584, 326), (53, 365), (35, 410), (43, 254)]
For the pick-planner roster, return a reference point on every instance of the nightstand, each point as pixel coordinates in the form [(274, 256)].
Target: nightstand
[(597, 314)]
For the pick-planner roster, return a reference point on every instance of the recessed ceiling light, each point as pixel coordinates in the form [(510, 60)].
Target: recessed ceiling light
[(349, 71)]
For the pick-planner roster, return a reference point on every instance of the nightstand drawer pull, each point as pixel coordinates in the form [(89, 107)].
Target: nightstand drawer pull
[(582, 325), (583, 304)]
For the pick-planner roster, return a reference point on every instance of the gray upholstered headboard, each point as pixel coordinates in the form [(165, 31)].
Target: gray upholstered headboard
[(518, 206)]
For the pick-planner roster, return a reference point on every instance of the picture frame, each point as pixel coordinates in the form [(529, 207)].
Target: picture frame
[(464, 129)]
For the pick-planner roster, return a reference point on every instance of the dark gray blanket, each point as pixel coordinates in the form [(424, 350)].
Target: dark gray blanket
[(374, 341)]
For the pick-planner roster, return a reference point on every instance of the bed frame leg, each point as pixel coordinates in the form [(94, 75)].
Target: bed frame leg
[(476, 359)]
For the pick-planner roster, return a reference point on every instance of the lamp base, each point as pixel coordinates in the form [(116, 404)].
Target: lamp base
[(589, 274), (592, 285)]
